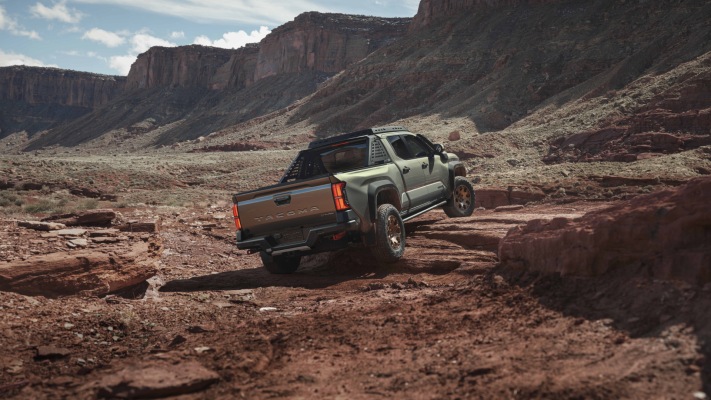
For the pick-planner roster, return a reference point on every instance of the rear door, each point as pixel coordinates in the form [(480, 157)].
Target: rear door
[(437, 171), (412, 163)]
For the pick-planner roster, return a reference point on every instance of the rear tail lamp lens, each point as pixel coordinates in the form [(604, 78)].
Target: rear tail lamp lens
[(339, 196), (235, 212)]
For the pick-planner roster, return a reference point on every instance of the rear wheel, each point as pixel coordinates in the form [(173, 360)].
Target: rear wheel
[(280, 264), (461, 204), (389, 234)]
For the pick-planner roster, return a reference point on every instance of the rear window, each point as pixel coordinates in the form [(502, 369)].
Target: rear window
[(328, 160), (345, 157)]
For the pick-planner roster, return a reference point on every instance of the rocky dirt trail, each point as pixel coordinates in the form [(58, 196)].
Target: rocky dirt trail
[(445, 322)]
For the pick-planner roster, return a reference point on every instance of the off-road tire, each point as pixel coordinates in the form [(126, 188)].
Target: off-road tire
[(461, 204), (389, 235), (280, 264)]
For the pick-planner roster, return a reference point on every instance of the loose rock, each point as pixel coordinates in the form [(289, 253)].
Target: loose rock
[(156, 380)]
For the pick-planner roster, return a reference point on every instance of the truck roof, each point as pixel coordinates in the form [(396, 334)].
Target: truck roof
[(353, 135)]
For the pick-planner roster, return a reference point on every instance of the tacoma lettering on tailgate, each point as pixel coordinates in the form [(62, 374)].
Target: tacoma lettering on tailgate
[(286, 214)]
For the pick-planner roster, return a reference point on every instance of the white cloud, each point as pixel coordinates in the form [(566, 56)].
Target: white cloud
[(234, 40), (252, 12), (177, 35), (408, 4), (7, 59), (109, 39), (58, 11), (122, 64), (7, 23), (141, 42), (89, 54)]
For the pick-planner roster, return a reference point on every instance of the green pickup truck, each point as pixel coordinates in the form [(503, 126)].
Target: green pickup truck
[(355, 188)]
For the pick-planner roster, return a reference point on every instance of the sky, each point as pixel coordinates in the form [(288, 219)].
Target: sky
[(106, 36)]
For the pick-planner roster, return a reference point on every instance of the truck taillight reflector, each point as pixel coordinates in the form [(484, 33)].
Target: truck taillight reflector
[(339, 196), (235, 212)]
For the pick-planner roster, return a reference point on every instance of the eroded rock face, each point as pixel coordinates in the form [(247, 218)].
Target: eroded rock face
[(192, 66), (666, 235), (433, 10), (33, 98), (324, 42), (34, 85)]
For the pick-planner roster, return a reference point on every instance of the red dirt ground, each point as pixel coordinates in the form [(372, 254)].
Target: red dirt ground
[(444, 322)]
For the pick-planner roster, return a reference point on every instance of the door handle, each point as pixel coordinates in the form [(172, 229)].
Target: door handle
[(406, 170), (424, 165)]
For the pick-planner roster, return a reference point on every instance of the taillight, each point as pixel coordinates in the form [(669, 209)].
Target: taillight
[(235, 212), (339, 196)]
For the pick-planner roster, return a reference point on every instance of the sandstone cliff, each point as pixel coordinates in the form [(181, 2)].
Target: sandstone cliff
[(431, 11), (324, 42), (57, 86), (192, 66), (35, 98)]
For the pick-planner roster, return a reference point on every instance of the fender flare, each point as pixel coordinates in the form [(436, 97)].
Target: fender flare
[(456, 169), (377, 187)]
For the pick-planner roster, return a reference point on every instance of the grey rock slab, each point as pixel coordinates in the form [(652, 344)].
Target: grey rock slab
[(79, 242), (71, 232), (41, 226)]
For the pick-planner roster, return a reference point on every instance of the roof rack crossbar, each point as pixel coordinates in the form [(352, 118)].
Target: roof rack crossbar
[(351, 135)]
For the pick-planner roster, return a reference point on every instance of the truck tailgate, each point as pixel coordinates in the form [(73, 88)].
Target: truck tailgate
[(287, 207)]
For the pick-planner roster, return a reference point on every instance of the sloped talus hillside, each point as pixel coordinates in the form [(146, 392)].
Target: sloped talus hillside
[(496, 62)]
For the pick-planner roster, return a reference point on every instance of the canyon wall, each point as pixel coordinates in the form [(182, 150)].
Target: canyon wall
[(34, 85), (313, 42), (33, 99), (186, 66), (324, 42), (430, 11)]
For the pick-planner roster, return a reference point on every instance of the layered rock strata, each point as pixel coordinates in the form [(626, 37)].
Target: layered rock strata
[(664, 235)]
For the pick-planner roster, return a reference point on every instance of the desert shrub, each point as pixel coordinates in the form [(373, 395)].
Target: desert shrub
[(44, 206), (8, 199), (89, 204)]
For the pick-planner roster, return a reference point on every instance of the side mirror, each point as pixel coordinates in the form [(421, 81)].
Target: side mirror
[(439, 150)]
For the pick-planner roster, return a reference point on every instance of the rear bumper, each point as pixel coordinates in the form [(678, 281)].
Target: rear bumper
[(271, 245)]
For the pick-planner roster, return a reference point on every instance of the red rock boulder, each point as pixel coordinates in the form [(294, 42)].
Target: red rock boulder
[(664, 235)]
